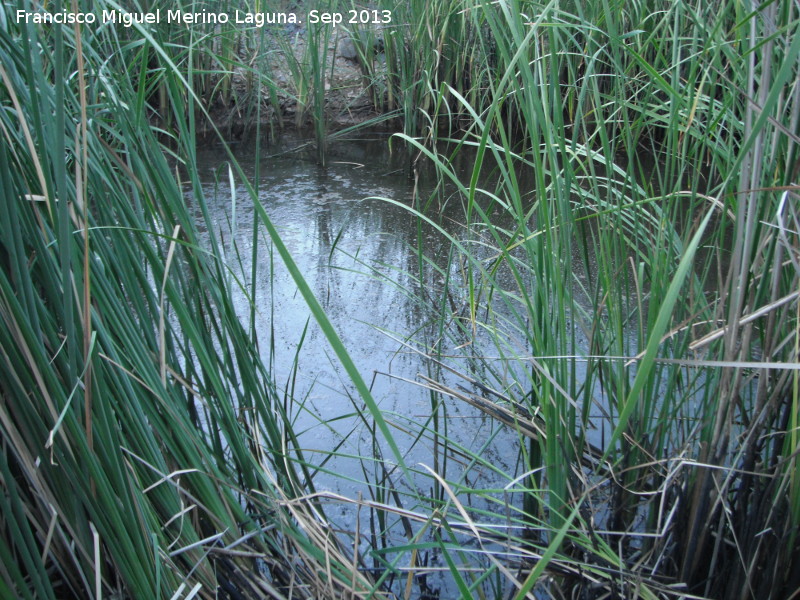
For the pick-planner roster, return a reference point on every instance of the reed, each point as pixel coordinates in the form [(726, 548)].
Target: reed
[(145, 449), (622, 296), (652, 145)]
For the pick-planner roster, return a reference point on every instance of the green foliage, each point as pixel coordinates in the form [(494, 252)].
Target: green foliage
[(646, 160), (145, 451), (629, 255)]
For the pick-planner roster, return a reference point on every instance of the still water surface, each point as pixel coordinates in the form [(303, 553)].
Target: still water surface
[(359, 255)]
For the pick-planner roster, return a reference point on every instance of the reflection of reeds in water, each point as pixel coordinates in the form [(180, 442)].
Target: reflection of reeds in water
[(147, 451)]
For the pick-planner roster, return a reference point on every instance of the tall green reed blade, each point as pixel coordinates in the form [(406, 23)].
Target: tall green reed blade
[(318, 40), (645, 366)]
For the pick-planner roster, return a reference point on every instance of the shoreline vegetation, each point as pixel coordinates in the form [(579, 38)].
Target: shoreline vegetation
[(148, 448)]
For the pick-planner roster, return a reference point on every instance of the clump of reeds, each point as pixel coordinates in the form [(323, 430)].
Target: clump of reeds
[(646, 159), (640, 300), (144, 451)]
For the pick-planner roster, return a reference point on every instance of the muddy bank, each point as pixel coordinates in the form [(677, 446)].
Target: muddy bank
[(273, 81)]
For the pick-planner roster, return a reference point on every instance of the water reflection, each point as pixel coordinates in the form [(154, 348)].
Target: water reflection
[(359, 256)]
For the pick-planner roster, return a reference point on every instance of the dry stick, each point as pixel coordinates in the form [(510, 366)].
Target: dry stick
[(741, 266), (521, 421), (34, 156), (744, 320), (161, 320), (356, 541), (81, 176)]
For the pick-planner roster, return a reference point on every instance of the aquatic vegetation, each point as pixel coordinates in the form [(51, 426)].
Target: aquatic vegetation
[(137, 414), (621, 295), (635, 142)]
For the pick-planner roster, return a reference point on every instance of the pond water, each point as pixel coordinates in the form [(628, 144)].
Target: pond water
[(359, 254)]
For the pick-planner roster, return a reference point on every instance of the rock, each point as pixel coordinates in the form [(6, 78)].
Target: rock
[(347, 49)]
